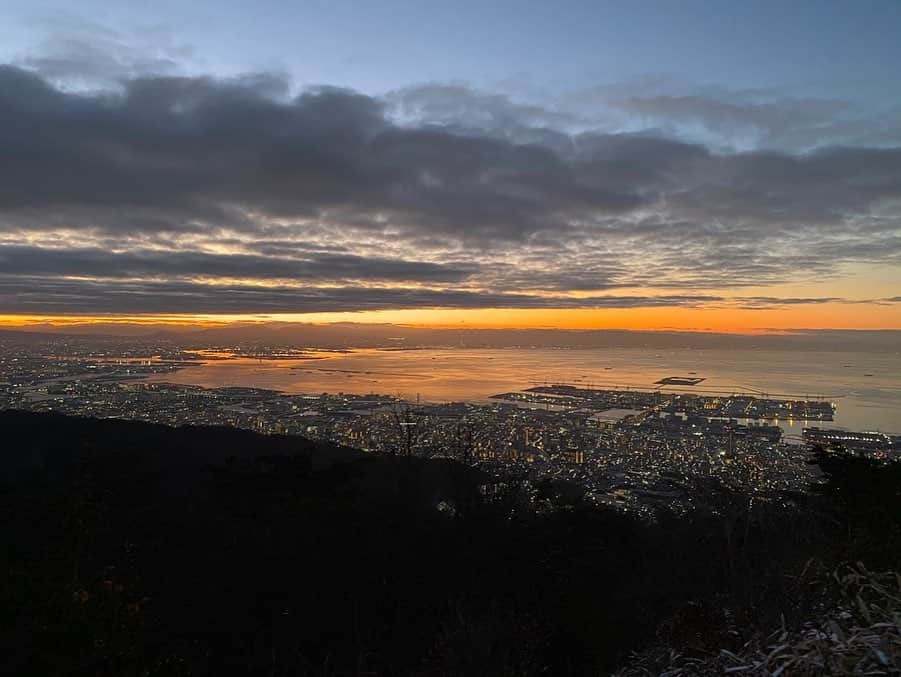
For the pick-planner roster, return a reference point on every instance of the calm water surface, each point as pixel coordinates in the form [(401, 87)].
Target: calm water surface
[(866, 387)]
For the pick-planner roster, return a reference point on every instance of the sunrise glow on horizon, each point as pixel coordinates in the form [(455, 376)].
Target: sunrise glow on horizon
[(768, 320)]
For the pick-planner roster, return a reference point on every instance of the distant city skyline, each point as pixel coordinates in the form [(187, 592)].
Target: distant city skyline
[(729, 167)]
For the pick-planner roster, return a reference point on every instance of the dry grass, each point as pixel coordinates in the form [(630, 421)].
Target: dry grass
[(859, 636)]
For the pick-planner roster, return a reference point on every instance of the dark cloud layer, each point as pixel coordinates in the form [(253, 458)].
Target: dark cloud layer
[(121, 199), (180, 265), (195, 147), (29, 295)]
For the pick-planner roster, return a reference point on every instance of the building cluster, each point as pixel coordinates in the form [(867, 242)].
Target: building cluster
[(873, 445), (733, 405)]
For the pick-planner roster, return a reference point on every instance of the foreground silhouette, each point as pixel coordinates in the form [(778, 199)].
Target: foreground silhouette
[(136, 549)]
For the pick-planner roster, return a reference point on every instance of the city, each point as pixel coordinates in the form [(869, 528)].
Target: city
[(637, 451)]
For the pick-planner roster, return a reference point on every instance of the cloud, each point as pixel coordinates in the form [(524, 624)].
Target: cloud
[(39, 295), (770, 122), (196, 148), (85, 54), (144, 189), (729, 119), (457, 107), (767, 302), (169, 265)]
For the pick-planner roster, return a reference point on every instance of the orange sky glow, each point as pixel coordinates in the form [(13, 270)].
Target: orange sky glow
[(818, 316)]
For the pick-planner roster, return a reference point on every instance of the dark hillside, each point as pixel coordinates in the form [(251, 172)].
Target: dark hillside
[(134, 549)]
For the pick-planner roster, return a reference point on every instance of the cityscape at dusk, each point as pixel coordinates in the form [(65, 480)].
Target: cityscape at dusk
[(397, 338)]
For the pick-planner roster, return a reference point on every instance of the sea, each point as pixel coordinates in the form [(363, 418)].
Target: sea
[(865, 387)]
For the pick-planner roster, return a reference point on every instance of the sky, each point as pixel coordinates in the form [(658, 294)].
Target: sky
[(725, 166)]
